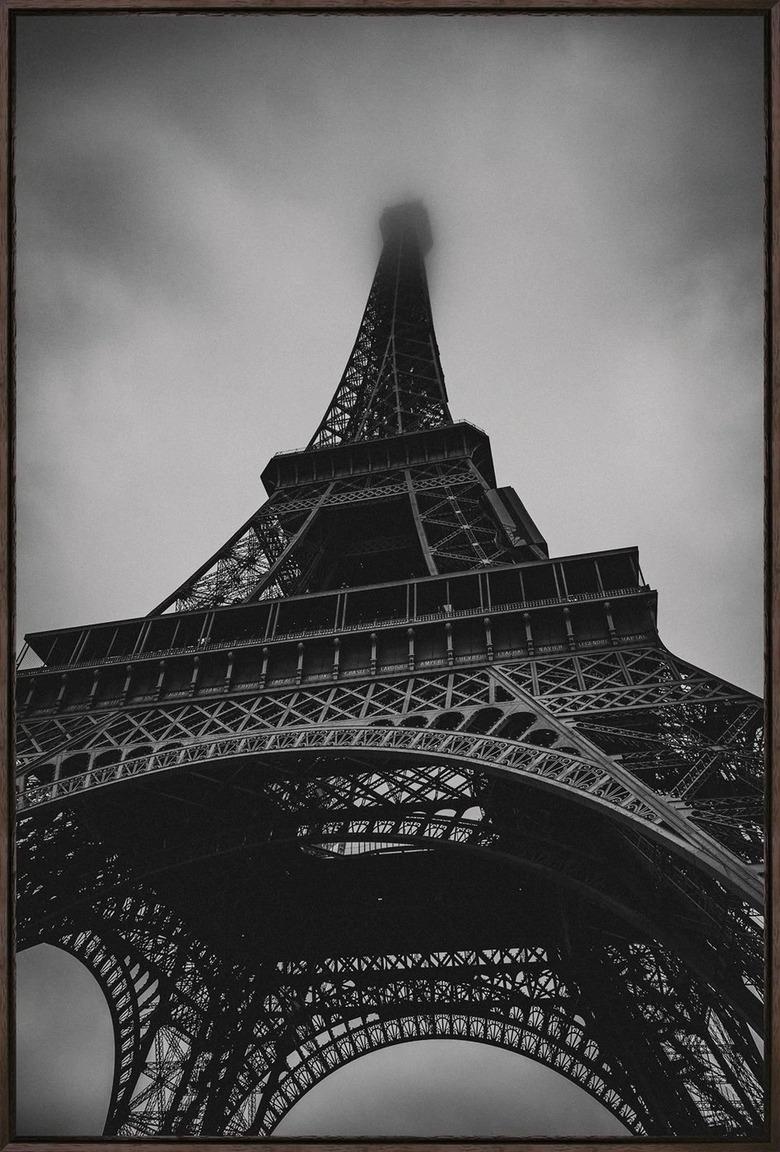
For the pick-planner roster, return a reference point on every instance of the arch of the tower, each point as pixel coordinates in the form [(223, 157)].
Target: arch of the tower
[(377, 788), (378, 1035), (524, 1003), (518, 995), (131, 991), (158, 1038), (467, 781), (692, 740), (314, 1017), (540, 759), (386, 810), (551, 1033), (162, 987)]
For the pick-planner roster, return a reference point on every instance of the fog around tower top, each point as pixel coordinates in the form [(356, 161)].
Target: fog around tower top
[(408, 216)]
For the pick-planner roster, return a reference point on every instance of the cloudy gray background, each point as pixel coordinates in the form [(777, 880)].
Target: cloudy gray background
[(197, 201)]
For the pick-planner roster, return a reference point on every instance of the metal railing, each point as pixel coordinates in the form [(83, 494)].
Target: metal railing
[(378, 622)]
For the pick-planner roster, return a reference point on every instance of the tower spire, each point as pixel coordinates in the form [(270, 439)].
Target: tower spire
[(389, 485), (393, 382)]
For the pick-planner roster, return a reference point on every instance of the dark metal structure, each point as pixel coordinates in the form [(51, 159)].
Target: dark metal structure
[(382, 770)]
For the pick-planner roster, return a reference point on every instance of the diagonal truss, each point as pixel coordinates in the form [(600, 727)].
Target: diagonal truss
[(272, 554), (393, 381)]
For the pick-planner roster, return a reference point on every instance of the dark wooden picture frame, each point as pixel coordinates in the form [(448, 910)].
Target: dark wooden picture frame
[(11, 8)]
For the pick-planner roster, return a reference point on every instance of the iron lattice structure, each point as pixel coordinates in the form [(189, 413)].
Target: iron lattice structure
[(382, 770)]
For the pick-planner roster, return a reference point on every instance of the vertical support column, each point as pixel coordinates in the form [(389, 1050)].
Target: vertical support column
[(336, 657), (229, 671), (610, 622), (488, 638), (410, 634), (484, 599), (269, 623), (80, 643), (176, 628), (142, 637), (570, 644), (264, 668), (372, 661), (160, 680), (448, 635), (299, 668), (126, 685), (613, 1018), (195, 674), (529, 636), (205, 632)]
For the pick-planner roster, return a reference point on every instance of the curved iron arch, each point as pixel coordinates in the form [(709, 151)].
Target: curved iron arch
[(514, 1014), (622, 1112), (132, 1002), (586, 781)]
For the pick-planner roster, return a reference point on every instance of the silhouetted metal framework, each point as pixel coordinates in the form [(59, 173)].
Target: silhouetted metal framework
[(382, 770)]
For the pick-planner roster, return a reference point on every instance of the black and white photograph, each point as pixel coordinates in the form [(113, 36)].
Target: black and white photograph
[(389, 398)]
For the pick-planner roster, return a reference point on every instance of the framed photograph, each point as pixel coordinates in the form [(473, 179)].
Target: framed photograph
[(391, 444)]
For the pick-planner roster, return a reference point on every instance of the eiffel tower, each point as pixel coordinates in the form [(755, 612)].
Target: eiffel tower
[(380, 770)]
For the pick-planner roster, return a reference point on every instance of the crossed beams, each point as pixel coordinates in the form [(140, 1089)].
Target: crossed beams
[(271, 554), (393, 381), (685, 734), (265, 558)]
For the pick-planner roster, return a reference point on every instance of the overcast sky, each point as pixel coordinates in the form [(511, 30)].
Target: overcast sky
[(197, 205)]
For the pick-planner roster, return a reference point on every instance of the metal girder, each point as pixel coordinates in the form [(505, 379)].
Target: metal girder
[(259, 560)]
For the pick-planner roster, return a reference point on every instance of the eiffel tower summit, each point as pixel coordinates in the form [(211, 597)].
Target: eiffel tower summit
[(383, 770)]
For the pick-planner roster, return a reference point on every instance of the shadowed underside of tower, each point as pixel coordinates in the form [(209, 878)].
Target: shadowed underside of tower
[(381, 769)]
